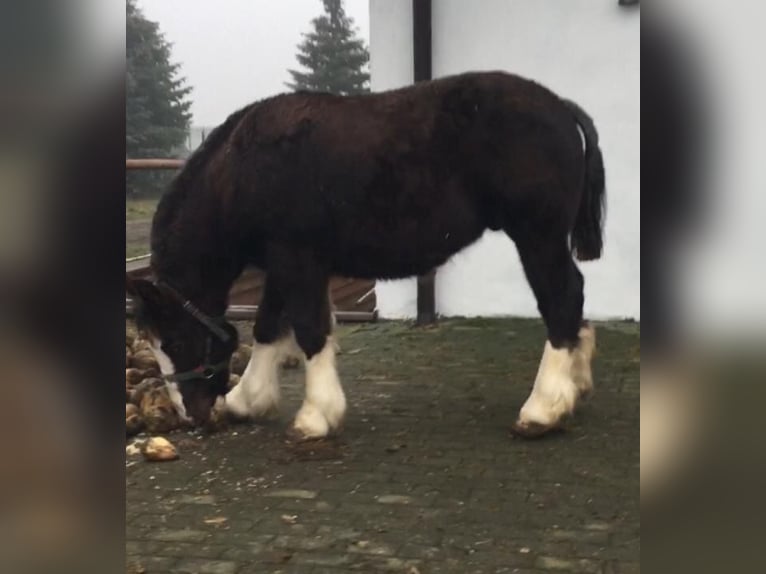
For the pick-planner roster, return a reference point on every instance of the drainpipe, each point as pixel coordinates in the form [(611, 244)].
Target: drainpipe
[(421, 42)]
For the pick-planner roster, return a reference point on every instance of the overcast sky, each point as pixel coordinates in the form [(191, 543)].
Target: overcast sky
[(234, 52)]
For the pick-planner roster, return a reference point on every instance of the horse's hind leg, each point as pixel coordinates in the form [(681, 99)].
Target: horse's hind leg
[(564, 373), (308, 310), (257, 394)]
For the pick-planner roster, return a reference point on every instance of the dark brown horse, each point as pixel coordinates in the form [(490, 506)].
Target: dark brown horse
[(383, 186)]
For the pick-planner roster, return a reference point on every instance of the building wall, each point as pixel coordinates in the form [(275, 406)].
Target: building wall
[(391, 67), (584, 50)]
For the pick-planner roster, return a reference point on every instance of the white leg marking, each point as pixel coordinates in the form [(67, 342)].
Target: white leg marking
[(289, 350), (257, 393), (554, 393), (325, 404), (178, 401), (562, 378), (333, 323), (168, 368), (166, 365), (581, 358)]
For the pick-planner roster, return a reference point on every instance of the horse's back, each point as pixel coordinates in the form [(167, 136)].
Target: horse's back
[(409, 116), (403, 178)]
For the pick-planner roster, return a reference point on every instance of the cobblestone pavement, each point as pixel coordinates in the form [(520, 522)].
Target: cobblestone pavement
[(425, 477)]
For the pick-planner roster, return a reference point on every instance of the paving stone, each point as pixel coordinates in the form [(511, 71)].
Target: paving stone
[(296, 542), (583, 536), (198, 499), (370, 547), (291, 493), (323, 559), (206, 567), (568, 565), (148, 564), (183, 535), (394, 499), (245, 551)]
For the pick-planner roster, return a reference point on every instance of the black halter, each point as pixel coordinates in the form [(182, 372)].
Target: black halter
[(206, 370)]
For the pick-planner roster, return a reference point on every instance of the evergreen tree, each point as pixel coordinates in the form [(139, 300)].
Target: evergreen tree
[(157, 106), (335, 59)]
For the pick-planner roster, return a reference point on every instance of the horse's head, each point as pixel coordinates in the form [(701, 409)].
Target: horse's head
[(193, 350)]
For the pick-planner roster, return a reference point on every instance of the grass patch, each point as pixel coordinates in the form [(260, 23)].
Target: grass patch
[(135, 250), (140, 208)]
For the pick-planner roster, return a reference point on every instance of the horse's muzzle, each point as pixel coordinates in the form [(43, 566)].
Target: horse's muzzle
[(198, 401)]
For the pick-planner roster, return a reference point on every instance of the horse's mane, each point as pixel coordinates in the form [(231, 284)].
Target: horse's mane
[(179, 188)]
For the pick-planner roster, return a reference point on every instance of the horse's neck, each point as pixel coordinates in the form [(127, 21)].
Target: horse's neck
[(198, 273), (207, 289), (193, 252)]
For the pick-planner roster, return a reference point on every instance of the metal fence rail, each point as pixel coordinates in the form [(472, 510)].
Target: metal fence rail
[(247, 313), (154, 163)]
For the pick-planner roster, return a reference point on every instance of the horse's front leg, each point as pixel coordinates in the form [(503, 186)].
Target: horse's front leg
[(293, 355), (324, 407), (309, 312), (257, 394)]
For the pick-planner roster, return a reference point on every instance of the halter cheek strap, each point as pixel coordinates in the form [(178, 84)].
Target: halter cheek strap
[(206, 370), (211, 324), (208, 322)]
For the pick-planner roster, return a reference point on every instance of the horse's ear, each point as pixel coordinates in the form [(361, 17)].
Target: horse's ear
[(145, 291)]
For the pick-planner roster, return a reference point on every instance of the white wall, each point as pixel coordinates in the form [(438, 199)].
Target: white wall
[(391, 67), (585, 50)]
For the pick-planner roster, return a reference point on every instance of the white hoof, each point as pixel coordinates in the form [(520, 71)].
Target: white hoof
[(236, 403), (310, 423), (262, 406), (549, 408)]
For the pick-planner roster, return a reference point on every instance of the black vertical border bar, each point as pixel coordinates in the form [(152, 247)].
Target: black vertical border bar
[(421, 39), (422, 61)]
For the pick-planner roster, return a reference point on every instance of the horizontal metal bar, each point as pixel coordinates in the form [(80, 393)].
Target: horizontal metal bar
[(165, 163), (145, 256), (247, 313)]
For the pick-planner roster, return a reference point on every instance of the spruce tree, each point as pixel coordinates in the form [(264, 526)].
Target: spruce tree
[(157, 106), (335, 59)]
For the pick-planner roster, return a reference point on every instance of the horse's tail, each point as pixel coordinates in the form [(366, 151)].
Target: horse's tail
[(587, 235)]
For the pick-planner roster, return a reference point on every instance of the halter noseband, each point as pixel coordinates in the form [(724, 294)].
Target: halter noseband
[(206, 370)]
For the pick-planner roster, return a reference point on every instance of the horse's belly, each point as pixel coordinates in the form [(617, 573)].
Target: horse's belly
[(398, 255)]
